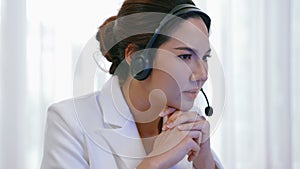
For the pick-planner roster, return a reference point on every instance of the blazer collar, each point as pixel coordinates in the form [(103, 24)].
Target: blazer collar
[(114, 107), (121, 134)]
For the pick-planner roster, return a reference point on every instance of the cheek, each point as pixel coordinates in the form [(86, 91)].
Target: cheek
[(171, 75), (173, 68), (164, 81), (172, 86)]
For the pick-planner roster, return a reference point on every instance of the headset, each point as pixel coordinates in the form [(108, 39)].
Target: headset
[(141, 64)]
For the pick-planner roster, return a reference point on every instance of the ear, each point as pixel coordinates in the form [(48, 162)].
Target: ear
[(129, 51)]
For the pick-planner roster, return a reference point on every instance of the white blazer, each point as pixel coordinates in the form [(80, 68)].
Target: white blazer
[(95, 131)]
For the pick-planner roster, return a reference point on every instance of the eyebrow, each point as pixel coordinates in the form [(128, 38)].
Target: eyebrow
[(191, 50)]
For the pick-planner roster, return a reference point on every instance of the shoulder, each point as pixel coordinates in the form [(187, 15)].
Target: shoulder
[(70, 105), (65, 139), (67, 113), (69, 128)]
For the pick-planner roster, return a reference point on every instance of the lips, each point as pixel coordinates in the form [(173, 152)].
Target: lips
[(191, 93)]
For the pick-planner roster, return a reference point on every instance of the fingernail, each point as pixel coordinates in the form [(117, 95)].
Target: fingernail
[(169, 110), (162, 114), (170, 125), (180, 127)]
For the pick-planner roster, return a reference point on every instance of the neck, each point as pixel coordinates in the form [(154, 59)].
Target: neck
[(144, 111), (148, 133), (147, 130), (135, 95)]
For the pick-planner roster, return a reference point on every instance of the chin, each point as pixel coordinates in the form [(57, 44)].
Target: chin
[(184, 105)]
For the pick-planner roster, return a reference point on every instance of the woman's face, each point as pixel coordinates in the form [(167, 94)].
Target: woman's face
[(180, 66)]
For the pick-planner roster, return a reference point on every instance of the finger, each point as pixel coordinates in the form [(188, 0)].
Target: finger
[(182, 118), (202, 117), (202, 126), (191, 126), (171, 118), (167, 111), (193, 153), (205, 131), (195, 134), (177, 118), (192, 156), (199, 139)]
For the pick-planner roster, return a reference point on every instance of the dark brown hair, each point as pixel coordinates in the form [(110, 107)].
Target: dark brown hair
[(113, 33)]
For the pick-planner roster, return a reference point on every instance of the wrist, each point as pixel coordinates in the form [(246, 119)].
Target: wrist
[(205, 158), (206, 167), (148, 163), (205, 148)]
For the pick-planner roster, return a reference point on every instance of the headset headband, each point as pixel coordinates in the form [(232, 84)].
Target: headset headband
[(177, 12)]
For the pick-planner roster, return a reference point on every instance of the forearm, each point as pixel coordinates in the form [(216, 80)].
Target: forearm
[(147, 163), (205, 158)]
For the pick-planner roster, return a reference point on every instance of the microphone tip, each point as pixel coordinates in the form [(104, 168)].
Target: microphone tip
[(208, 111)]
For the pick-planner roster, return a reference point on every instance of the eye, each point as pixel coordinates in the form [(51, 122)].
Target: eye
[(205, 57), (185, 56)]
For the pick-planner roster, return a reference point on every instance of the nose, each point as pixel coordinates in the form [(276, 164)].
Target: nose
[(199, 71)]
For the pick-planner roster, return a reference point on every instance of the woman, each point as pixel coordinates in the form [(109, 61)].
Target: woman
[(141, 118)]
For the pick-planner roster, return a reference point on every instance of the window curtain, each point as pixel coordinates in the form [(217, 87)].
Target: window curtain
[(257, 45), (256, 42)]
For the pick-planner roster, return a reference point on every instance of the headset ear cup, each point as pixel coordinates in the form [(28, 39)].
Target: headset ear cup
[(140, 68)]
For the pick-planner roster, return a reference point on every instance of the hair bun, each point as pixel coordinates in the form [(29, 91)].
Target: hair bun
[(105, 36)]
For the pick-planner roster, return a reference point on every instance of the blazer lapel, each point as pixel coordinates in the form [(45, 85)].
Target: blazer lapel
[(125, 144), (120, 130)]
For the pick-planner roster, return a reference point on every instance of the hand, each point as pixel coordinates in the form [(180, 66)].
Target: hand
[(186, 121), (192, 121), (170, 147)]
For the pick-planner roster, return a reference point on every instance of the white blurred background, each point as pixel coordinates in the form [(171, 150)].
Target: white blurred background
[(257, 42)]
